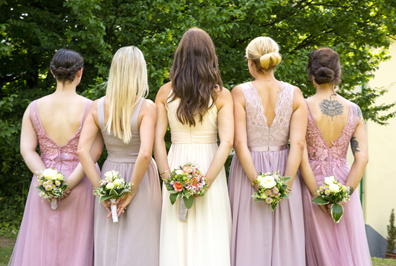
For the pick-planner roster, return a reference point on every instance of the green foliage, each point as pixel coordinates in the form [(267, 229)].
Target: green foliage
[(391, 238), (32, 30)]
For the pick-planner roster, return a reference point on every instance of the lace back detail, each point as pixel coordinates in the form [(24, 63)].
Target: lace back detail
[(51, 152), (330, 157), (258, 132)]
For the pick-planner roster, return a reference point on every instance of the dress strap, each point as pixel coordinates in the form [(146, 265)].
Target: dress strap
[(85, 112), (101, 118), (135, 115), (33, 110)]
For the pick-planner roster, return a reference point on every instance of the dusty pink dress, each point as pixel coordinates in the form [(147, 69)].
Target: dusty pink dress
[(64, 236), (328, 243), (259, 236)]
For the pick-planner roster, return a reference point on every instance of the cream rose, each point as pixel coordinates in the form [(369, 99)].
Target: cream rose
[(267, 182), (334, 188), (110, 186), (329, 180), (59, 177), (179, 172), (118, 182), (110, 175), (50, 174)]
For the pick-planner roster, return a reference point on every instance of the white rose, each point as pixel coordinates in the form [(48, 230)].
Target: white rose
[(50, 174), (110, 186), (118, 182), (59, 177), (179, 172), (334, 188), (267, 182), (329, 180), (110, 175)]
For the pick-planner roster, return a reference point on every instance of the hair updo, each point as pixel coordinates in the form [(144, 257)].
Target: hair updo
[(264, 52), (324, 66), (65, 64)]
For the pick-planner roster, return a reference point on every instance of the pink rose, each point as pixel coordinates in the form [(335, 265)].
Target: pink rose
[(187, 169)]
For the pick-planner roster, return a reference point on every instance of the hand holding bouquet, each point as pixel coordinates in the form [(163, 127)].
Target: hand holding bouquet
[(51, 185), (112, 188), (185, 182), (332, 192), (272, 188)]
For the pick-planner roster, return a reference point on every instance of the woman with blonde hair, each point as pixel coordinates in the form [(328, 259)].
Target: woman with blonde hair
[(127, 122), (197, 107), (268, 114)]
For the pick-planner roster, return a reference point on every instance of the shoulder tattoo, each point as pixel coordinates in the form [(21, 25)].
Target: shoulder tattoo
[(331, 108), (354, 145)]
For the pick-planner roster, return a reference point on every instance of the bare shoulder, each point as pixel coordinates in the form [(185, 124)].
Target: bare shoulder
[(223, 98), (148, 106), (237, 91), (164, 92)]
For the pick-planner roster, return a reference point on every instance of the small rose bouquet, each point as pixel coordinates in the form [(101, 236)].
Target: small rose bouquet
[(185, 182), (51, 185), (112, 187), (272, 188), (332, 192)]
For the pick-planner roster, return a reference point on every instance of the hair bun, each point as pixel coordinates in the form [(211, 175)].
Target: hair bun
[(270, 60), (324, 75)]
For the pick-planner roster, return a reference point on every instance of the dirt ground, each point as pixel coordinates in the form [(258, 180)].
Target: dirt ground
[(6, 242)]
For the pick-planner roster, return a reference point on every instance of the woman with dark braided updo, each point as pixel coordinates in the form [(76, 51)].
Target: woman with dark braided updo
[(63, 236)]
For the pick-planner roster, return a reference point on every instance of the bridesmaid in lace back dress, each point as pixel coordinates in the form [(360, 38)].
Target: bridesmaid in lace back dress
[(268, 113), (333, 123), (197, 108), (126, 121), (46, 236)]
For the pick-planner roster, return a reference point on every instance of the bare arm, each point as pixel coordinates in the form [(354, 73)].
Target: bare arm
[(29, 144), (77, 175), (298, 130), (88, 136), (240, 138), (160, 154), (360, 151), (307, 173), (225, 118)]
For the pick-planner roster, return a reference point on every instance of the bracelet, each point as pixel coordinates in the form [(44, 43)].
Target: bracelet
[(288, 190), (165, 172), (350, 190), (254, 182)]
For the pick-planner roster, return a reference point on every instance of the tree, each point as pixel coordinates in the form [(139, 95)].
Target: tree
[(391, 238), (32, 30)]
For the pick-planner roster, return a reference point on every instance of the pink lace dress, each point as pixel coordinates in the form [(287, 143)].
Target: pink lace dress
[(328, 243), (64, 236), (259, 236)]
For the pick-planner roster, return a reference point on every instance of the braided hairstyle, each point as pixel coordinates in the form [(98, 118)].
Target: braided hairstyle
[(65, 64), (324, 65)]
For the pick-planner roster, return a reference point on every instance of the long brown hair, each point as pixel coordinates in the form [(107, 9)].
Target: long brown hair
[(195, 76)]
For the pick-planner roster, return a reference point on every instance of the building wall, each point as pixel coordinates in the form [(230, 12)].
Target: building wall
[(379, 183)]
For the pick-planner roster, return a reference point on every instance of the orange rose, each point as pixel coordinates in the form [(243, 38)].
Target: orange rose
[(178, 186), (195, 181)]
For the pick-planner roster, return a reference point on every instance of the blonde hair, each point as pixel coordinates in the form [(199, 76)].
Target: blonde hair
[(264, 52), (127, 84)]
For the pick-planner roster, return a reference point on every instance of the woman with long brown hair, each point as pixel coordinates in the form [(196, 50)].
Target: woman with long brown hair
[(197, 108)]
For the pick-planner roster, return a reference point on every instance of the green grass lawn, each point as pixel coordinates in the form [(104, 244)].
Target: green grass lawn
[(5, 254)]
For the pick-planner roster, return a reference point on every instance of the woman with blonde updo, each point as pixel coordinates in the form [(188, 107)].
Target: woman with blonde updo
[(268, 114)]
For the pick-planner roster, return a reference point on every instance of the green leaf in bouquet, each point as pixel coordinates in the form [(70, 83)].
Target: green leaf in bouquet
[(188, 201), (284, 179), (124, 191), (319, 200), (173, 198), (103, 198), (64, 187), (273, 205), (285, 196), (336, 212), (113, 192)]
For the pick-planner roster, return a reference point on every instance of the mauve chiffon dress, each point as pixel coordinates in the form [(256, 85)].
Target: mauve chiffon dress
[(63, 236), (259, 236), (134, 240), (328, 243)]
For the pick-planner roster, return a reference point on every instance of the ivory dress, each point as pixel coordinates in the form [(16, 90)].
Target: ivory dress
[(259, 236), (134, 240), (205, 237), (328, 243), (65, 236)]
